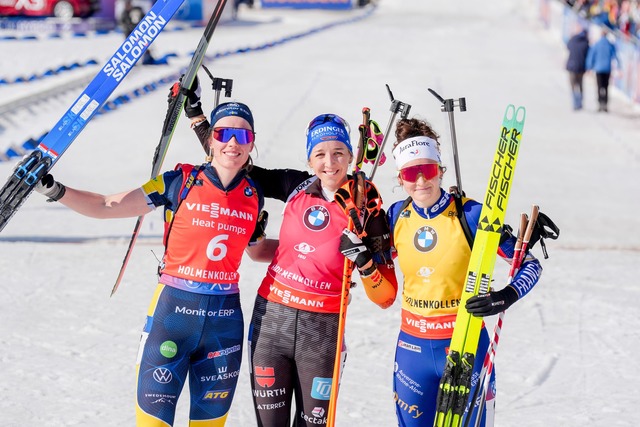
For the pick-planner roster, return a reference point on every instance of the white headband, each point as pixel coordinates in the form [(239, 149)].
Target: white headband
[(418, 147)]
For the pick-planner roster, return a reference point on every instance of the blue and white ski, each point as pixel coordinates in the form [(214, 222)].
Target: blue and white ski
[(32, 168)]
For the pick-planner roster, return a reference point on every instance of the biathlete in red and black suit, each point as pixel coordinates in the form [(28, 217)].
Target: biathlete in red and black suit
[(293, 331)]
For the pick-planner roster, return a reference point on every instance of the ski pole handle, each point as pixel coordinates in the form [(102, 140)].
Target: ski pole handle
[(396, 107), (535, 209), (217, 84), (456, 157), (384, 141), (516, 262), (448, 106), (362, 141)]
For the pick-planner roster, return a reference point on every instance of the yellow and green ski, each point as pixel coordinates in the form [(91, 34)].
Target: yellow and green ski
[(455, 384)]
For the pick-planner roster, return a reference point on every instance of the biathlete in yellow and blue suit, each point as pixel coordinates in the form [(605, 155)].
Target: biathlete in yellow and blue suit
[(433, 254), (194, 326)]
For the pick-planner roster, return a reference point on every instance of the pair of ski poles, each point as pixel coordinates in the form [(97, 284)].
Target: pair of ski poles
[(527, 224)]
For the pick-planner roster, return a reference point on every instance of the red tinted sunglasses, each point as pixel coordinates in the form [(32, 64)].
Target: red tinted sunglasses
[(243, 136), (428, 171)]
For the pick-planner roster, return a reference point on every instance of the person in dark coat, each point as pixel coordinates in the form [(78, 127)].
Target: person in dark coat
[(129, 18), (578, 46)]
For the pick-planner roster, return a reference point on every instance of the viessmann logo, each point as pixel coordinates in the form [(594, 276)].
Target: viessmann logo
[(215, 211)]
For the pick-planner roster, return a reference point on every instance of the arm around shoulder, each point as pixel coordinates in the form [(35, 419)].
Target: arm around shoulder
[(263, 251)]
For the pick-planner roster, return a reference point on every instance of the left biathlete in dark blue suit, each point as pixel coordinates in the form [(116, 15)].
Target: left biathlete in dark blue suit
[(194, 326)]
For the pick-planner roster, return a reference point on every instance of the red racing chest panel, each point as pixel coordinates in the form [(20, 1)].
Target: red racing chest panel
[(306, 271), (210, 233)]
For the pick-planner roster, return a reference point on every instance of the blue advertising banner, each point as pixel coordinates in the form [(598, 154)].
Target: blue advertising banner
[(308, 4)]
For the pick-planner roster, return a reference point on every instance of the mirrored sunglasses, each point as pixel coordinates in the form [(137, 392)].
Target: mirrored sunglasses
[(243, 136), (410, 173)]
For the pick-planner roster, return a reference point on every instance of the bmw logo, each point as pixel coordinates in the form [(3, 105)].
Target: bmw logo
[(248, 191), (316, 218), (425, 239)]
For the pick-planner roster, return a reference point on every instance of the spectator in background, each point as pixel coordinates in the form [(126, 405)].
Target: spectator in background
[(582, 7), (605, 13), (236, 6), (578, 46), (129, 19), (634, 13), (625, 21), (599, 59)]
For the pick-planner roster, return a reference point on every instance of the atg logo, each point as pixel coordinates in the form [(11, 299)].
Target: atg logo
[(216, 394), (316, 218)]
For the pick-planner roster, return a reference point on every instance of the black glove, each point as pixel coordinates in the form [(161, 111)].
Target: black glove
[(378, 237), (192, 106), (492, 302), (259, 233), (51, 188), (354, 249)]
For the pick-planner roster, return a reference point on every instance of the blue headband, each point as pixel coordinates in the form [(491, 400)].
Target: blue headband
[(327, 127), (231, 109)]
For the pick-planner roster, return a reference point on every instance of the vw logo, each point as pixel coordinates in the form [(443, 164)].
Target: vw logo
[(162, 375)]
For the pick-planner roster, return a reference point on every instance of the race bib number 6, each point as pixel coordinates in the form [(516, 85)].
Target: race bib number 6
[(217, 249)]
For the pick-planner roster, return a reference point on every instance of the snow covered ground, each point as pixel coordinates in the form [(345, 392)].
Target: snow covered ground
[(567, 354)]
